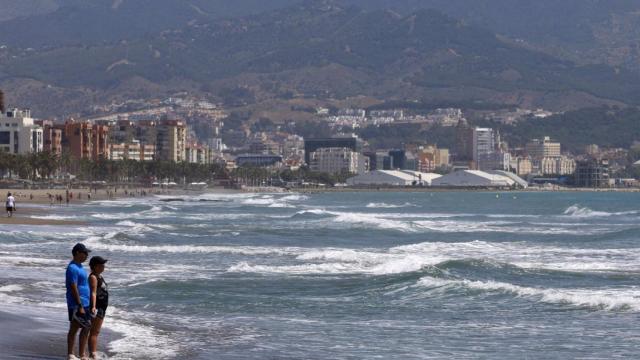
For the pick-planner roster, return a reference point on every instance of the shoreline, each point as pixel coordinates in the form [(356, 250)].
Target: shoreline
[(439, 189), (39, 334), (34, 207)]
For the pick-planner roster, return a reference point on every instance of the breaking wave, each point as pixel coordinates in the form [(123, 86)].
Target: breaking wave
[(417, 257), (585, 212), (382, 205), (605, 299)]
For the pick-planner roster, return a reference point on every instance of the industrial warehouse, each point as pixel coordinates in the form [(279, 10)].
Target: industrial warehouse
[(457, 179)]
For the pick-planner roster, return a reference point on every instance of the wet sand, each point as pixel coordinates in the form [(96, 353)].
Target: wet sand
[(23, 216), (35, 202), (35, 335)]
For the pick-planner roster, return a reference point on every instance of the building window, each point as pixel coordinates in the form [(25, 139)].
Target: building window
[(5, 137)]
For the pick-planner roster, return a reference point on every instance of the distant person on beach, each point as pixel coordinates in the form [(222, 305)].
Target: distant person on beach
[(11, 205), (78, 294), (99, 301)]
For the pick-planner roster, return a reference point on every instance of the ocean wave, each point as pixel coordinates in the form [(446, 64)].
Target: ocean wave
[(382, 205), (585, 212), (606, 299), (272, 201), (511, 227), (405, 222), (443, 223), (155, 212), (282, 205), (55, 217), (355, 219), (17, 259), (304, 269), (95, 243), (263, 200), (138, 340), (312, 212), (10, 288), (294, 197), (418, 257)]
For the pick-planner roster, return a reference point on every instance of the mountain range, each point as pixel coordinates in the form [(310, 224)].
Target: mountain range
[(538, 54)]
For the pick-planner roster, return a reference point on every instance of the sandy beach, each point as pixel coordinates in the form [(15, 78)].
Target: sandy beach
[(30, 203), (37, 335)]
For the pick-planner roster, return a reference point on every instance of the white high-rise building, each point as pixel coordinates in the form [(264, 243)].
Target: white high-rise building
[(483, 143), (336, 161), (545, 148), (18, 133)]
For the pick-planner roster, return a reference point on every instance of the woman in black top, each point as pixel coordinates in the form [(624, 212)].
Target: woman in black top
[(99, 301)]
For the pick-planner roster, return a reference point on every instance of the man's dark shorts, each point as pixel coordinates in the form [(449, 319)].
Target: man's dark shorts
[(72, 310)]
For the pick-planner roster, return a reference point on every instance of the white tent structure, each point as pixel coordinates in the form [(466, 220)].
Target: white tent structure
[(473, 178), (519, 181), (422, 177), (383, 178)]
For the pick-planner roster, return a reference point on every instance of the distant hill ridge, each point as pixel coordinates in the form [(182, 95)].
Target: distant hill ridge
[(316, 49)]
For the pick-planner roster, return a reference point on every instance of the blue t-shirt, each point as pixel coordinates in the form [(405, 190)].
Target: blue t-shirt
[(77, 275)]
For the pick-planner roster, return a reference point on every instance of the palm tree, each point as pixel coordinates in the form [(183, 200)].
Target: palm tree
[(64, 161), (49, 163)]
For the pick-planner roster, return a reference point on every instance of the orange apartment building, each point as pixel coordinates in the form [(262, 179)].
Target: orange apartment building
[(86, 140)]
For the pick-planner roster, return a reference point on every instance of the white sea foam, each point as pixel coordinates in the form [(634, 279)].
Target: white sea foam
[(138, 341), (265, 200), (281, 205), (585, 212), (373, 221), (295, 197), (10, 288), (217, 216), (410, 258), (610, 299), (314, 212), (382, 205), (28, 259), (141, 215), (275, 202), (504, 227), (326, 268), (95, 243), (436, 222), (54, 217)]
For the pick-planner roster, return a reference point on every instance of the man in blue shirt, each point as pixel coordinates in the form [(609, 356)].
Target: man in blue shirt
[(78, 300)]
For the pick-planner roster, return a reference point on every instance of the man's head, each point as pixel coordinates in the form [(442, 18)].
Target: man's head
[(80, 253)]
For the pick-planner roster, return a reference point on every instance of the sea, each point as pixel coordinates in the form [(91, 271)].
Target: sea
[(339, 275)]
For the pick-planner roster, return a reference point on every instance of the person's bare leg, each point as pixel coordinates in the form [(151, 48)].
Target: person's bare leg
[(71, 336), (96, 325), (82, 347)]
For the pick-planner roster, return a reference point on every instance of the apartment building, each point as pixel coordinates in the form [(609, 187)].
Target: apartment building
[(19, 134)]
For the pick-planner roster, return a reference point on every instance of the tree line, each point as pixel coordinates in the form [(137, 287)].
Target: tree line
[(43, 166)]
